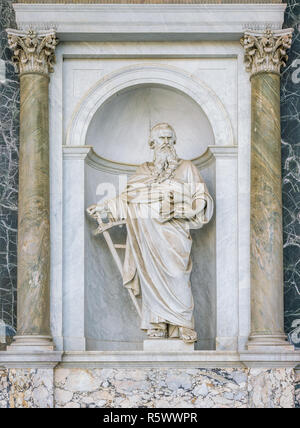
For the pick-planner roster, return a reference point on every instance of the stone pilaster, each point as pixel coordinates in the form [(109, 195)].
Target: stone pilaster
[(33, 55), (265, 53)]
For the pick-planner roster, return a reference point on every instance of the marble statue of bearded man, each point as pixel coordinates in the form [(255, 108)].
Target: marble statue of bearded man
[(163, 200)]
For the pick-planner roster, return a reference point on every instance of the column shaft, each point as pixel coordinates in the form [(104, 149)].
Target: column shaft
[(33, 58), (266, 208), (265, 53), (34, 228)]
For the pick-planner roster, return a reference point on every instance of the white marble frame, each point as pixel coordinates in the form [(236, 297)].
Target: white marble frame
[(57, 139)]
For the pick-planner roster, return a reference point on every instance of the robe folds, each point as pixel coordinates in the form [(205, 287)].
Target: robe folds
[(159, 216)]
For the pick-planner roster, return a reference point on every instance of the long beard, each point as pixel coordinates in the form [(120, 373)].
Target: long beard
[(165, 162)]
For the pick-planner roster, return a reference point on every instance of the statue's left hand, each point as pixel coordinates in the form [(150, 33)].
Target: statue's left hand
[(98, 212), (92, 210)]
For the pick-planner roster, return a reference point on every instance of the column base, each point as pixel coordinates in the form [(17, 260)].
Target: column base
[(31, 343), (269, 343)]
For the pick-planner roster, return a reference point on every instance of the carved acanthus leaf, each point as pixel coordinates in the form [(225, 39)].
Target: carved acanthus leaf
[(33, 52), (266, 51)]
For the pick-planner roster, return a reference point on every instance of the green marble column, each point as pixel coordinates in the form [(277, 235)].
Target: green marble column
[(266, 210), (265, 53), (34, 54)]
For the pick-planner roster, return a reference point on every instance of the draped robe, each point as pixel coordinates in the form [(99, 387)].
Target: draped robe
[(159, 217)]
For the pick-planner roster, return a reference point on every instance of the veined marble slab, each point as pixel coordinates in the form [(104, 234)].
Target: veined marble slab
[(9, 154), (290, 130)]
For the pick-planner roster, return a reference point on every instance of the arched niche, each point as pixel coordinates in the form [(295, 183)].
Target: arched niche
[(119, 130)]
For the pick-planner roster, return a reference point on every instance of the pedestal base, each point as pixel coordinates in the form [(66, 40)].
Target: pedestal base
[(167, 345), (269, 343), (31, 343)]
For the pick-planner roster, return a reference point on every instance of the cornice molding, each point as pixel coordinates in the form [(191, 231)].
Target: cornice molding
[(150, 22), (95, 161)]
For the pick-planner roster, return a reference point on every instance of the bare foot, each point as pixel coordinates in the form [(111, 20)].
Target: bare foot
[(188, 335), (156, 333)]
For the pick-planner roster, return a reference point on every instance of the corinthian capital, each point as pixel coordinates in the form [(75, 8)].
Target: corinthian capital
[(265, 51), (33, 52)]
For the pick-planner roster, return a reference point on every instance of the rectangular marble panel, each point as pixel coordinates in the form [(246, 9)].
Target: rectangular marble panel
[(151, 388), (148, 387), (26, 388), (263, 394)]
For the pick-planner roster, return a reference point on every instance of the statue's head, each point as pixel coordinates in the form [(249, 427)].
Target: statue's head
[(161, 135), (162, 140)]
